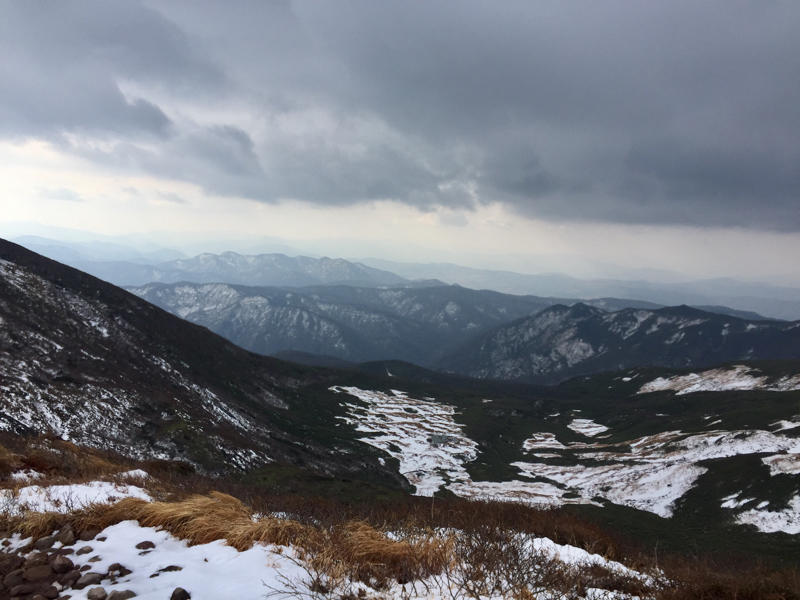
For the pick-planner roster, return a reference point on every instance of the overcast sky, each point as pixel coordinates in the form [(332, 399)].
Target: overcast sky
[(659, 135)]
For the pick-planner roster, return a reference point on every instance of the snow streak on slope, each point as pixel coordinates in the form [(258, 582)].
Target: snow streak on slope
[(788, 464), (432, 448), (739, 377), (786, 520), (651, 473), (587, 427), (66, 498), (421, 434)]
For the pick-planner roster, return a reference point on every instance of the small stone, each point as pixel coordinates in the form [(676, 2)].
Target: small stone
[(45, 542), (145, 545), (38, 572), (70, 577), (95, 558), (39, 597), (88, 534), (37, 559), (87, 580), (180, 594), (170, 568), (62, 564), (6, 543), (13, 578), (102, 538), (23, 589), (119, 569), (64, 551), (84, 550), (97, 593), (85, 568), (121, 595), (51, 592), (66, 536)]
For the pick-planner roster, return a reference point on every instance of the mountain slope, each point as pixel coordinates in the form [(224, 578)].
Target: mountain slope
[(95, 364), (351, 323), (561, 342)]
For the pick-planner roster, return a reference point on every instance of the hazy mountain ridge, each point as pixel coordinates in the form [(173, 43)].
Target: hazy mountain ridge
[(241, 269), (417, 324), (561, 342), (771, 300)]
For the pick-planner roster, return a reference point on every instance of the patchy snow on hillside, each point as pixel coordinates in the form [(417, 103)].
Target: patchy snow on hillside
[(421, 434), (651, 473), (768, 521), (587, 427), (738, 377), (432, 448), (66, 498), (542, 440), (783, 464)]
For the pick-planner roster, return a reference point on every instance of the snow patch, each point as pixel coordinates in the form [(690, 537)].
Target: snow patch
[(739, 377), (587, 427)]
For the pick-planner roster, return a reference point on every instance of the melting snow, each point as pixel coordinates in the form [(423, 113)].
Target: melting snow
[(587, 427), (432, 448), (657, 470), (739, 377), (66, 498), (786, 520), (783, 464), (421, 434)]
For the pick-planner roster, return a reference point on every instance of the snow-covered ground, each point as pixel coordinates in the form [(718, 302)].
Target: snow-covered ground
[(421, 434), (432, 448), (659, 469), (786, 464), (66, 498), (739, 377), (587, 427), (768, 521), (215, 571), (649, 473)]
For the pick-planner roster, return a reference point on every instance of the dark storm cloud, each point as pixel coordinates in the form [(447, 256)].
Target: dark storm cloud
[(678, 112), (63, 65)]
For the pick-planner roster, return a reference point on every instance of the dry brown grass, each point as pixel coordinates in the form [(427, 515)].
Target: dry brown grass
[(9, 461)]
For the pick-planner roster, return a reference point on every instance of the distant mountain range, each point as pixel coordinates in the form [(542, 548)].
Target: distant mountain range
[(230, 267), (417, 324), (138, 264), (563, 341), (770, 300), (475, 333)]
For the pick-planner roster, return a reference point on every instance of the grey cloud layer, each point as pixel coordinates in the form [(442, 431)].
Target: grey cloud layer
[(678, 112)]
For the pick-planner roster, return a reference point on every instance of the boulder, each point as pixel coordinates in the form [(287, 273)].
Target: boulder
[(120, 595), (97, 593), (87, 579), (37, 573), (62, 564)]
